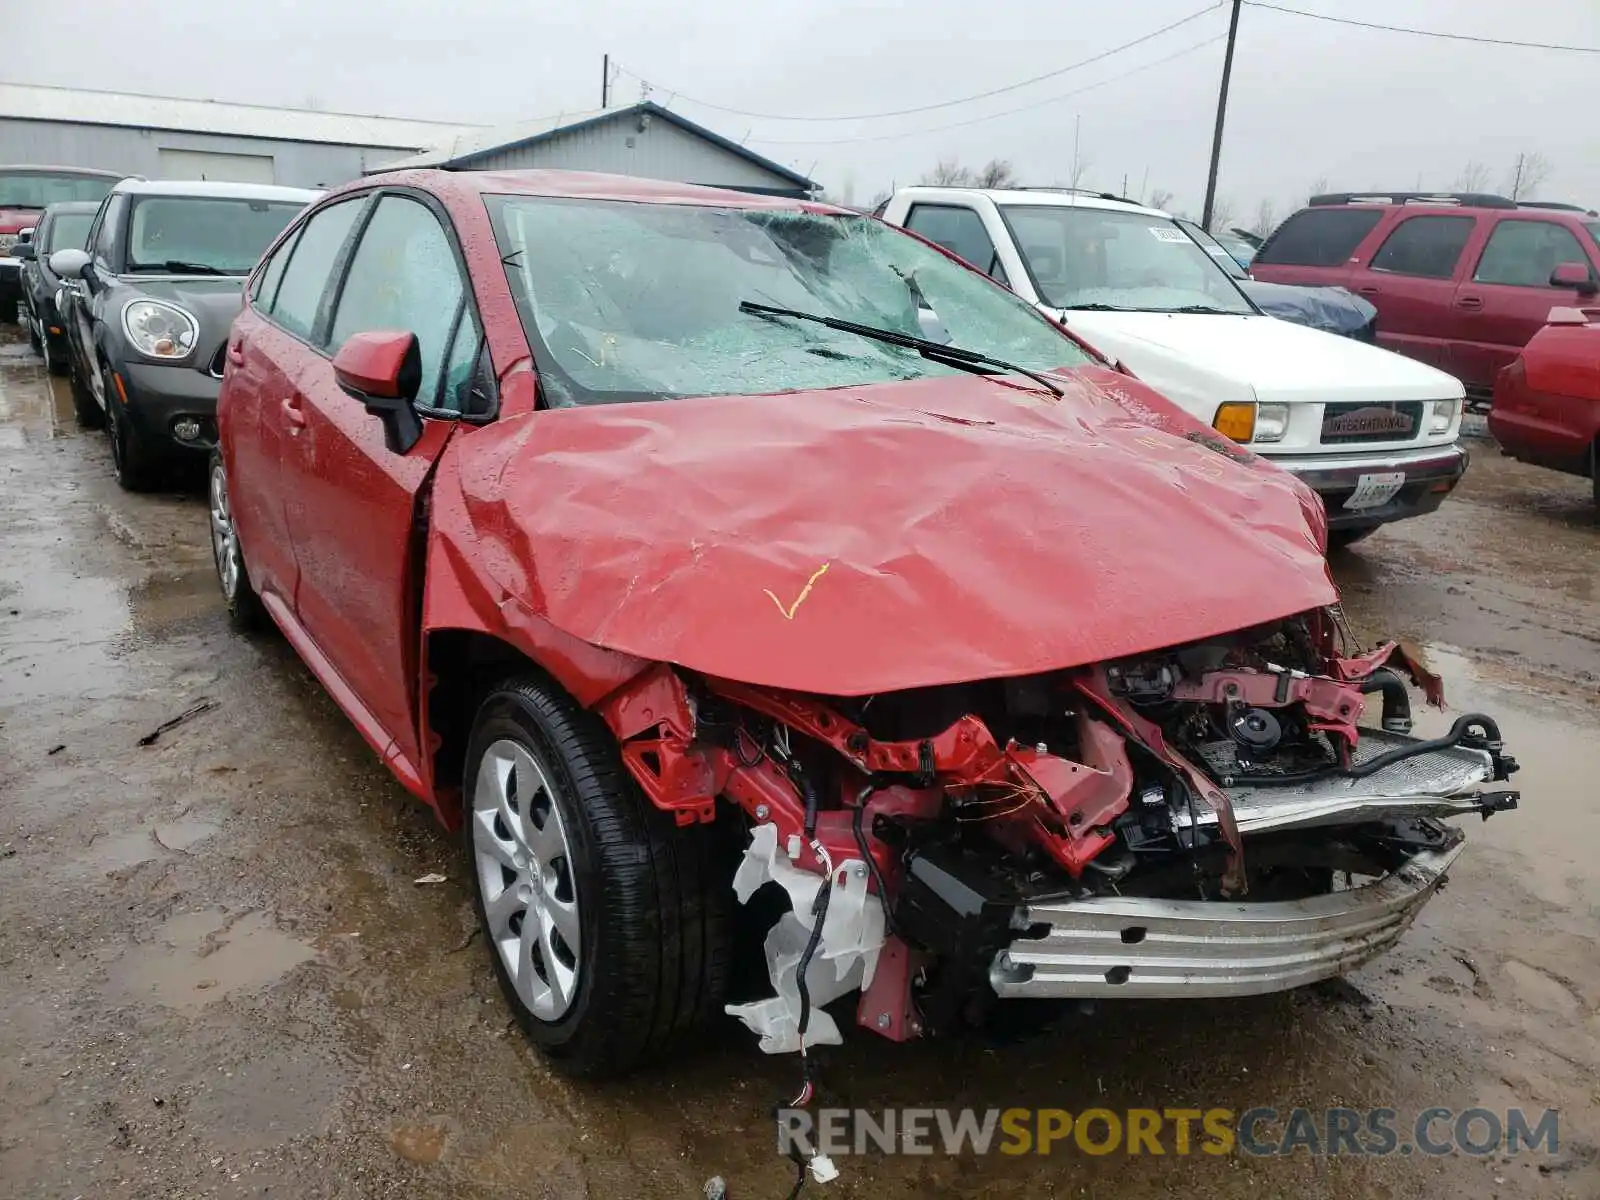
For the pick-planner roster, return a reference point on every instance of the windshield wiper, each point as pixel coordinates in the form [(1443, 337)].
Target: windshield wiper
[(954, 356), (1098, 308), (175, 266), (1202, 308)]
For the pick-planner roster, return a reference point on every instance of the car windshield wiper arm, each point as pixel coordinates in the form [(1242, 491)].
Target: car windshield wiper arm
[(176, 266), (1097, 308), (1203, 308), (955, 356)]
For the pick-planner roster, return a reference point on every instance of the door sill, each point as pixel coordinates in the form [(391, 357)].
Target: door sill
[(360, 715)]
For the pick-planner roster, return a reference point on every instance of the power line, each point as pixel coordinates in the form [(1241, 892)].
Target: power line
[(1432, 33), (903, 112), (889, 137)]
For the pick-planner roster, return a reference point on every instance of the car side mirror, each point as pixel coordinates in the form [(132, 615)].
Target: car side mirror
[(69, 263), (26, 235), (25, 251), (1576, 276), (383, 369)]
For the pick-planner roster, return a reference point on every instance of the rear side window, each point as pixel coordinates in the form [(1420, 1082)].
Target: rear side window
[(1319, 237), (306, 277), (1523, 253), (1425, 246), (960, 231), (264, 292)]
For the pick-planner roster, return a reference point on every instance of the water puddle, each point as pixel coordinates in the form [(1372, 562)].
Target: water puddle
[(200, 957)]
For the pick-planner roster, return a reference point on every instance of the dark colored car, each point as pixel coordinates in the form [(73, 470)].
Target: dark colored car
[(1460, 280), (1547, 403), (25, 192), (160, 285), (63, 227), (641, 532)]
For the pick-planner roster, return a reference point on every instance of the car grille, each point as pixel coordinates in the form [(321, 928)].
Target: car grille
[(1360, 422)]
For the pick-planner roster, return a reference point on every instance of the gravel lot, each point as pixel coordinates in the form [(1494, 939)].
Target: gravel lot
[(218, 978)]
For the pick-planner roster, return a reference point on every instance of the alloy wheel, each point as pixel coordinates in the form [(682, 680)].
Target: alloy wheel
[(524, 861), (224, 544)]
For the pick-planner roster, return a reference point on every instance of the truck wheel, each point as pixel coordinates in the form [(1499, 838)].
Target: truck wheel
[(608, 925), (1338, 539), (84, 406), (131, 456), (245, 612)]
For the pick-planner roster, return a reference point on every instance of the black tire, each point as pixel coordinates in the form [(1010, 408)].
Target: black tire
[(132, 457), (655, 901), (245, 611), (84, 406), (55, 361), (35, 342), (8, 308), (1338, 539)]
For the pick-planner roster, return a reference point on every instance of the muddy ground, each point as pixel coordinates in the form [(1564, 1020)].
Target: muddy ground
[(218, 978)]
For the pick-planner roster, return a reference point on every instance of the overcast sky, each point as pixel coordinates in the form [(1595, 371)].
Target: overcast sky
[(1311, 100)]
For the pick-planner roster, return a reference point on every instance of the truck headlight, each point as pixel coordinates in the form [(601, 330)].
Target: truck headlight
[(1444, 416), (160, 330), (1236, 419), (1272, 422)]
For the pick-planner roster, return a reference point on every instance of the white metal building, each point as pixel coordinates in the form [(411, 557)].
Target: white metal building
[(642, 139), (161, 137)]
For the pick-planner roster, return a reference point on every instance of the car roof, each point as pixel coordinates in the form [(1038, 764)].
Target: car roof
[(72, 206), (214, 188), (1037, 197), (584, 185), (34, 168)]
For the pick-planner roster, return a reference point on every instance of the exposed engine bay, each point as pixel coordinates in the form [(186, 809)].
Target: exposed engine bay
[(1211, 819)]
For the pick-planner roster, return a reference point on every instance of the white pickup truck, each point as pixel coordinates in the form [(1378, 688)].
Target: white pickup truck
[(1373, 433)]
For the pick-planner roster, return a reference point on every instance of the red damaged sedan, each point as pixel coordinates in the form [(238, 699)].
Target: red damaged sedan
[(673, 543)]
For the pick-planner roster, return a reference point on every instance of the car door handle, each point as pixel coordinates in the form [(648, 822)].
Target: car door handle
[(1369, 290), (1471, 303), (236, 353), (293, 413)]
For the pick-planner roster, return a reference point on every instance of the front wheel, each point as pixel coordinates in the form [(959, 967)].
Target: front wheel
[(84, 406), (132, 457), (608, 925)]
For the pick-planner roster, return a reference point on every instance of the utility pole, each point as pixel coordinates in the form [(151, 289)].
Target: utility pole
[(605, 81), (1516, 183), (1222, 112)]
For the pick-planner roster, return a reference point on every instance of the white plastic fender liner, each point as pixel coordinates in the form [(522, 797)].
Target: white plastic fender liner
[(847, 955)]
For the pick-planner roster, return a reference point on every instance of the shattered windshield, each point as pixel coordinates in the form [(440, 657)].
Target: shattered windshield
[(629, 301), (1082, 257)]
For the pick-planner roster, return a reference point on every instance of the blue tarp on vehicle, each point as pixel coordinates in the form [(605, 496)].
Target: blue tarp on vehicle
[(1331, 309)]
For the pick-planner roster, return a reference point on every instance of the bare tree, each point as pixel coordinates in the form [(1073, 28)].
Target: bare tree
[(1266, 219), (1221, 214), (949, 172), (1531, 170), (1474, 177), (1162, 199), (996, 173)]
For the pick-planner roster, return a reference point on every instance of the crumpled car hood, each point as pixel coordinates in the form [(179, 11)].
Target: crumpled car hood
[(870, 539)]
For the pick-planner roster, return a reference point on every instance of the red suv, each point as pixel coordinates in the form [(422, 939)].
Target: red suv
[(1460, 280)]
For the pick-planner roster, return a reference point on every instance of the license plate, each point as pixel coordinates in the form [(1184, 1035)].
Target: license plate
[(1375, 490)]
